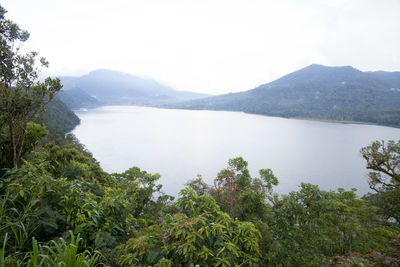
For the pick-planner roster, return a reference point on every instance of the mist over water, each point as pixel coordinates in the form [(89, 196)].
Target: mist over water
[(179, 144)]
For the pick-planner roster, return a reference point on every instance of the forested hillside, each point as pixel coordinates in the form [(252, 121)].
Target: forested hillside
[(59, 116), (318, 92), (59, 208), (76, 98), (58, 119)]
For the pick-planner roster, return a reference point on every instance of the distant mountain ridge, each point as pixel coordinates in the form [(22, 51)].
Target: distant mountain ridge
[(107, 87), (317, 92)]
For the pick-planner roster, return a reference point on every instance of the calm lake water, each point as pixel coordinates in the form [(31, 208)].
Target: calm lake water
[(179, 144)]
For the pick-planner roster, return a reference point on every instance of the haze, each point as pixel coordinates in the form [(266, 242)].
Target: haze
[(210, 46)]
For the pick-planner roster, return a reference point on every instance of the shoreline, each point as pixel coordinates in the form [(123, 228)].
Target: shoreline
[(83, 109)]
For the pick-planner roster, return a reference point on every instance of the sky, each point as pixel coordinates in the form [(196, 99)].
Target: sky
[(210, 46)]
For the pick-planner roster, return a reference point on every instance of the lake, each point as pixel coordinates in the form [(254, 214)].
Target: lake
[(180, 144)]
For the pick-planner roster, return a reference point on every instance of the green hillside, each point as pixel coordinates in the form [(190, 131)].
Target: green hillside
[(318, 92), (59, 116)]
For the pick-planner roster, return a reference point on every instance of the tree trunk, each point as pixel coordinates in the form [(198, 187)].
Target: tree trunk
[(20, 145), (13, 145)]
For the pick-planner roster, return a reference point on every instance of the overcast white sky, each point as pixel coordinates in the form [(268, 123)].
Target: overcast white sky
[(210, 46)]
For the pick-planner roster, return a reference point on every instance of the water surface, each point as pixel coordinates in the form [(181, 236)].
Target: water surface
[(179, 144)]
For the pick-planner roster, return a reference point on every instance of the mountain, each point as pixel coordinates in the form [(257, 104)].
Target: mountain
[(76, 98), (106, 87), (317, 92)]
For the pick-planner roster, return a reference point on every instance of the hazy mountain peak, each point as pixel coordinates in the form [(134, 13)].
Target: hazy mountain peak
[(319, 73), (319, 66), (114, 87), (122, 77), (99, 71), (325, 69)]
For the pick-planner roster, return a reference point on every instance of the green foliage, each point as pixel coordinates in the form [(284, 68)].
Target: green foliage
[(146, 204), (56, 253), (62, 253), (311, 224), (37, 201), (21, 210), (243, 197), (73, 162), (200, 233), (300, 228), (240, 195)]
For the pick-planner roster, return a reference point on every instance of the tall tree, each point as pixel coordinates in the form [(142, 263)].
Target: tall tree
[(22, 95)]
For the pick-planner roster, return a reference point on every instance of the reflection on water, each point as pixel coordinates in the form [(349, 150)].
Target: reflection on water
[(179, 144)]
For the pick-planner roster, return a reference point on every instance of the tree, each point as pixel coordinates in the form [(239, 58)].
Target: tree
[(239, 194), (384, 161), (22, 95), (243, 197)]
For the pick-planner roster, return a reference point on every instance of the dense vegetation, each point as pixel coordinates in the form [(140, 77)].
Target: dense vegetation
[(59, 208), (59, 119), (318, 92)]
